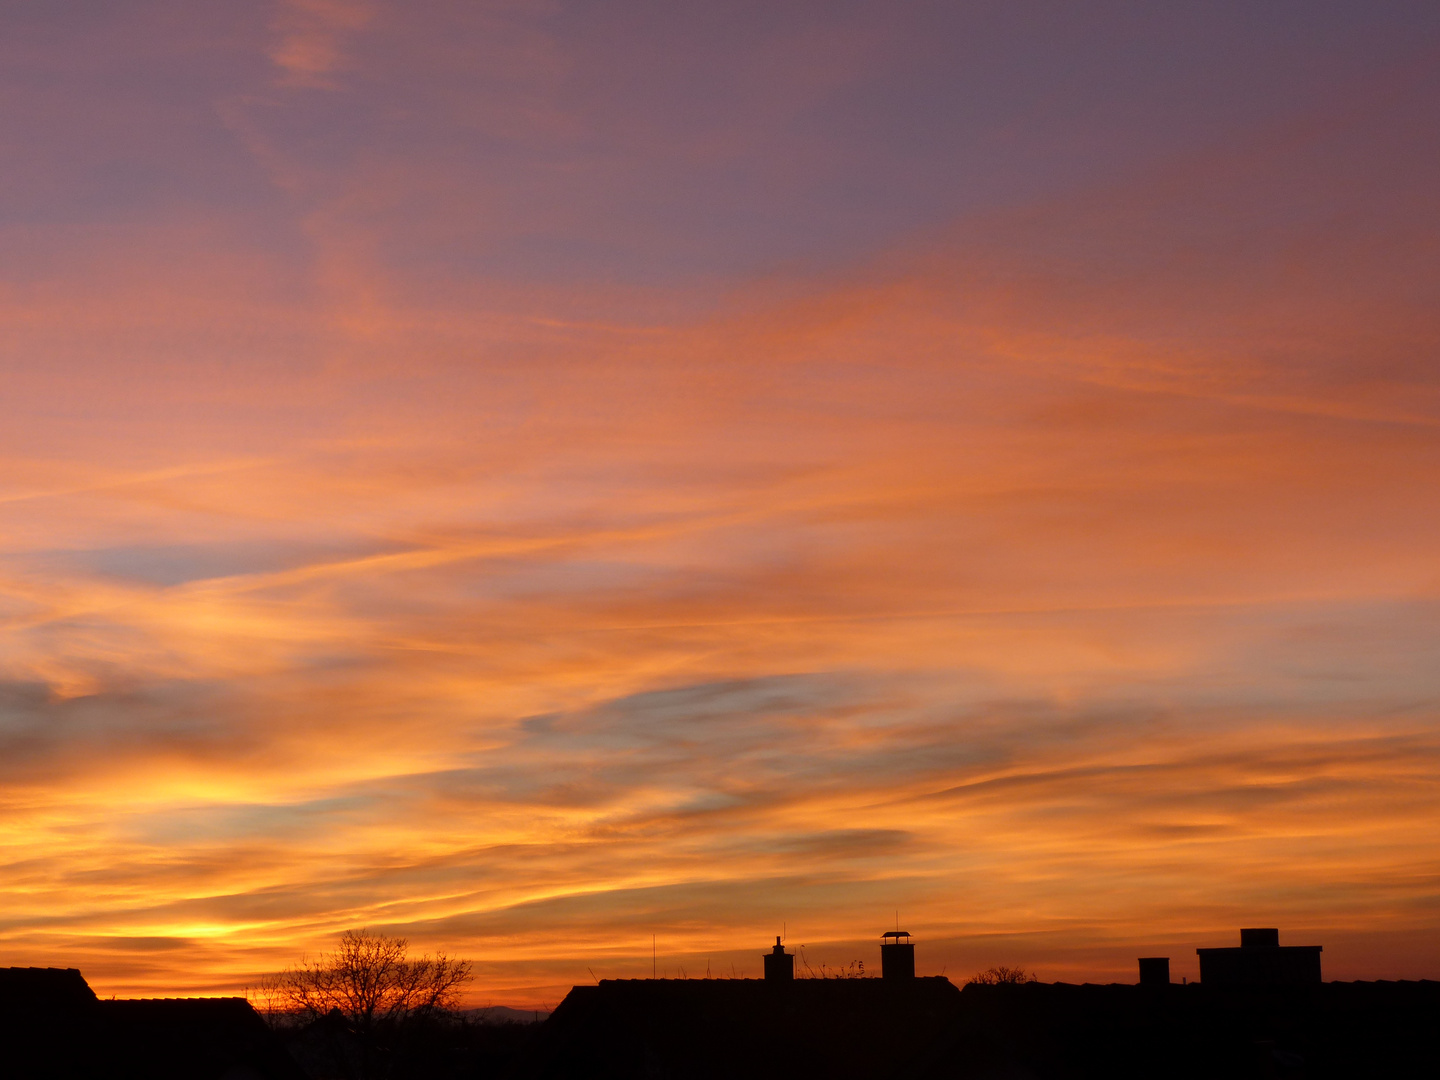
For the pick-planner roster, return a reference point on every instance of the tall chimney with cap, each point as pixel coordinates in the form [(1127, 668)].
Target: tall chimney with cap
[(897, 955), (779, 965)]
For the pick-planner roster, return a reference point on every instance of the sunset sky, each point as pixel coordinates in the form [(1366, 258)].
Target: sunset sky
[(533, 476)]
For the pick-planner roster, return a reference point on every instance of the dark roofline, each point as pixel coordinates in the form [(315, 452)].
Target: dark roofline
[(147, 1001), (1253, 950)]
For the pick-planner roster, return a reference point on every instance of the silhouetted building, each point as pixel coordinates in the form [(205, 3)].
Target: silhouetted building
[(709, 1029), (50, 1024), (1261, 961), (1195, 1032), (52, 1027), (779, 965), (897, 957), (926, 1029), (1154, 971), (43, 989), (195, 1038)]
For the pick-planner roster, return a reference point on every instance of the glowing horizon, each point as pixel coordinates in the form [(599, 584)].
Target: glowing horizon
[(527, 480)]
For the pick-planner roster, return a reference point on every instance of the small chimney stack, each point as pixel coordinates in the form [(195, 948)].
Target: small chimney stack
[(897, 956), (1154, 971), (1256, 937), (779, 965)]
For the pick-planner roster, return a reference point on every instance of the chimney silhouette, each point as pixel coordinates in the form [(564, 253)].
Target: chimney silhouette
[(1154, 971), (897, 958), (779, 965)]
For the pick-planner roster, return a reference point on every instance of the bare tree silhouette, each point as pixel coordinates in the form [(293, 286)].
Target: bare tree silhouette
[(369, 996)]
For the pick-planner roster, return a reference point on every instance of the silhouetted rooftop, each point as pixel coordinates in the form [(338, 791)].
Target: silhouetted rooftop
[(927, 1028), (741, 1027), (1059, 1029), (52, 1027), (184, 1038), (32, 987)]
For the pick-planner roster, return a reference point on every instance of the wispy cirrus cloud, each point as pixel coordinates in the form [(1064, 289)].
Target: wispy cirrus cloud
[(1062, 574)]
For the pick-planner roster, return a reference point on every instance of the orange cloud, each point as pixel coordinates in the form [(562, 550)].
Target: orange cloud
[(1064, 580)]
